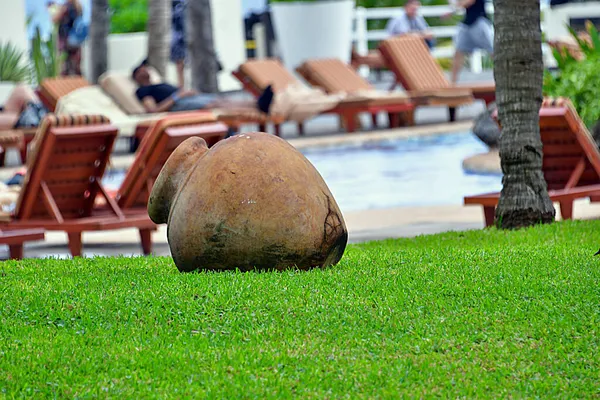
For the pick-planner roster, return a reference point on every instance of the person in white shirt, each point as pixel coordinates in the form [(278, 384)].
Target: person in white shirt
[(411, 22)]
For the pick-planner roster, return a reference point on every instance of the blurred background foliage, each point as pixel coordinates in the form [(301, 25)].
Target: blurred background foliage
[(132, 15), (128, 16)]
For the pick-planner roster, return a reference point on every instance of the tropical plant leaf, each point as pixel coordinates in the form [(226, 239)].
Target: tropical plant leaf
[(593, 32), (46, 59), (13, 64), (583, 44), (560, 58)]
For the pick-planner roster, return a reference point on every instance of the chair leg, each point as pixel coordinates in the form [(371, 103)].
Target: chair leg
[(408, 117), (350, 122), (566, 209), (23, 153), (146, 238), (301, 128), (134, 143), (75, 243), (262, 127), (490, 215), (374, 120), (394, 119), (452, 114), (2, 156), (16, 251), (278, 130)]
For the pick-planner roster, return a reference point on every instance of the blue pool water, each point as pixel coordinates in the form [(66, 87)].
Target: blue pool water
[(421, 171), (403, 172)]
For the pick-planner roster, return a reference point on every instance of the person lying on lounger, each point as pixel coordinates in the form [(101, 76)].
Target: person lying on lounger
[(22, 109), (164, 97)]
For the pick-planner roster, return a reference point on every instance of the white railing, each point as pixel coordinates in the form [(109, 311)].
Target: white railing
[(362, 36)]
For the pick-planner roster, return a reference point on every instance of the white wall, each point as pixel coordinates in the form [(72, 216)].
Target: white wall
[(127, 50), (13, 26), (13, 23), (228, 28), (556, 19)]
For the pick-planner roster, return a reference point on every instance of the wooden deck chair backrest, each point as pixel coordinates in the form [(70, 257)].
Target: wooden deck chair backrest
[(52, 89), (571, 156), (333, 76), (162, 139), (256, 75), (415, 68), (66, 167)]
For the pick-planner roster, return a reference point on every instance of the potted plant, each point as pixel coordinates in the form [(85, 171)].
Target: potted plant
[(309, 29), (13, 68)]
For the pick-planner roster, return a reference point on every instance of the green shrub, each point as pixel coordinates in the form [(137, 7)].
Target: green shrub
[(128, 16), (578, 80)]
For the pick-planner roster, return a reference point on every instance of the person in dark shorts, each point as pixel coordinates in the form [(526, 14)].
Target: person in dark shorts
[(475, 32), (22, 110), (164, 97)]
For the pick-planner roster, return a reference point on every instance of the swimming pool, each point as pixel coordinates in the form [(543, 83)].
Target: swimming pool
[(421, 171)]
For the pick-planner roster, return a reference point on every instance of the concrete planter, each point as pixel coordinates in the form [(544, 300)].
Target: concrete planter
[(309, 30)]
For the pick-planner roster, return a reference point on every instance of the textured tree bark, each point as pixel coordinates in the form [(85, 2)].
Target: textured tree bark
[(518, 71), (99, 29), (159, 34), (201, 46)]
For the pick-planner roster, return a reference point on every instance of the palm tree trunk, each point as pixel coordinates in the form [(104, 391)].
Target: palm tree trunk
[(159, 34), (518, 71), (99, 29), (201, 46)]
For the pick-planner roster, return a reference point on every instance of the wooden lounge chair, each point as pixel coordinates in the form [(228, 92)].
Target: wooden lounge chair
[(571, 162), (15, 240), (9, 139), (256, 75), (63, 178), (372, 59), (418, 72), (52, 89), (120, 90), (334, 76), (162, 139)]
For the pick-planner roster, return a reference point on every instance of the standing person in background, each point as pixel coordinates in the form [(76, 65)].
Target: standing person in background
[(178, 42), (72, 32), (411, 22), (475, 32)]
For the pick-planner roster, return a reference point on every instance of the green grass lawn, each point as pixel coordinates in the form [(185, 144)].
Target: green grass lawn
[(478, 314)]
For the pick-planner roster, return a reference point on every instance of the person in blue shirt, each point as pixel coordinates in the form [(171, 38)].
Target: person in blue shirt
[(164, 97), (411, 22), (475, 32)]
